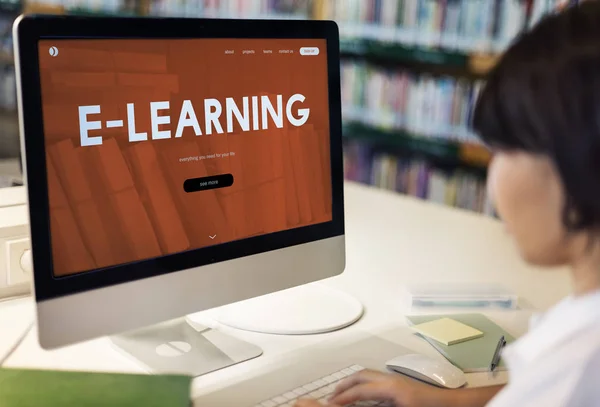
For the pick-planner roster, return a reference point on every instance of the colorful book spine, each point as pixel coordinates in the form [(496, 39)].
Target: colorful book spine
[(511, 22), (466, 25), (230, 8), (426, 105), (451, 25), (415, 177)]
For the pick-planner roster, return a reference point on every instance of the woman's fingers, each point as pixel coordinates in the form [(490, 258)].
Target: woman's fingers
[(307, 403), (372, 390), (363, 376), (364, 385), (311, 403)]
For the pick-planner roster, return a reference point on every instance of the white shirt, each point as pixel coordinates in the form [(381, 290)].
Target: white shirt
[(558, 362)]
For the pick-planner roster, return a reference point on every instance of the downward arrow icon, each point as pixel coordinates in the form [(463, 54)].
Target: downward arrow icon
[(212, 237)]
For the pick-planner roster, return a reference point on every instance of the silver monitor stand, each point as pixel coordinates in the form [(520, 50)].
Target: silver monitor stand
[(187, 347), (184, 347)]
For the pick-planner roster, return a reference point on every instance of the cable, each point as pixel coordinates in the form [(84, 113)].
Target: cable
[(16, 345)]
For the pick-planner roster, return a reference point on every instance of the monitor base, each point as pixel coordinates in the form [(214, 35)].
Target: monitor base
[(184, 347), (304, 310)]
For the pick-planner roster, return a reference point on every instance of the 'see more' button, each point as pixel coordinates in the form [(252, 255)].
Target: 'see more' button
[(206, 183)]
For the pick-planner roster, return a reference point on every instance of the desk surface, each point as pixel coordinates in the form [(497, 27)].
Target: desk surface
[(392, 240)]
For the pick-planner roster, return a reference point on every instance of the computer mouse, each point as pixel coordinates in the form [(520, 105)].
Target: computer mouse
[(436, 372)]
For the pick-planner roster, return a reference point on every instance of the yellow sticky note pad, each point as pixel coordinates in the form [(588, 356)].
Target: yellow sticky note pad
[(448, 331)]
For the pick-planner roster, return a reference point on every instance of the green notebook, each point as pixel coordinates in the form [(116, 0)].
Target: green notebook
[(474, 355), (34, 388)]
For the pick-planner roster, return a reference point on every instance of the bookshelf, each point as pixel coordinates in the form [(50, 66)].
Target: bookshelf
[(382, 52), (9, 131), (9, 10), (408, 90), (436, 150), (411, 71), (252, 9)]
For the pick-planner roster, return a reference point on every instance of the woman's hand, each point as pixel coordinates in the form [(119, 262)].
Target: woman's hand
[(311, 403), (400, 391), (392, 388)]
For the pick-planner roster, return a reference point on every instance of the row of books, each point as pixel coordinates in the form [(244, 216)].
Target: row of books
[(421, 104), (465, 25), (8, 88), (10, 4), (264, 9), (415, 177), (6, 42), (105, 6)]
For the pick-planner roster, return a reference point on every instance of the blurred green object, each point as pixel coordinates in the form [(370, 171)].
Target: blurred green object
[(442, 150), (34, 388), (87, 12), (396, 52)]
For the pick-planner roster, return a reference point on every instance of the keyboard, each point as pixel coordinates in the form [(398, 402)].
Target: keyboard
[(320, 389)]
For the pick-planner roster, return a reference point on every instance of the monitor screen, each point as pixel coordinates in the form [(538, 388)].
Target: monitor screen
[(155, 147)]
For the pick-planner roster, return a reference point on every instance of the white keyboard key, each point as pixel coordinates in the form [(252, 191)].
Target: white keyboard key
[(317, 394), (300, 391), (330, 379), (321, 389), (310, 387), (329, 389), (290, 395), (279, 400)]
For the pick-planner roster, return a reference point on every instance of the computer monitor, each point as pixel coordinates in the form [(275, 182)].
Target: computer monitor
[(175, 165)]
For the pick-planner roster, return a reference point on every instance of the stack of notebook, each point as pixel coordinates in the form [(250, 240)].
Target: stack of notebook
[(470, 345), (461, 295)]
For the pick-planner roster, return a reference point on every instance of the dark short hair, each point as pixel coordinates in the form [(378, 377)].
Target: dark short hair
[(543, 97)]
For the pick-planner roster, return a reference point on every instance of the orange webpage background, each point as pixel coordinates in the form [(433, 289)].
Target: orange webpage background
[(124, 201)]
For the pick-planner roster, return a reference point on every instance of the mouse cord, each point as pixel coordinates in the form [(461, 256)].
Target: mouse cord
[(16, 345)]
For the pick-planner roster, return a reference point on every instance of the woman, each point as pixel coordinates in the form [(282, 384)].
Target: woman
[(540, 113)]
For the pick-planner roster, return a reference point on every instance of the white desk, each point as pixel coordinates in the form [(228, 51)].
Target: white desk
[(391, 240)]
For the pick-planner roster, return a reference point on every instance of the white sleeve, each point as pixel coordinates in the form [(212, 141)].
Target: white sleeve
[(587, 391)]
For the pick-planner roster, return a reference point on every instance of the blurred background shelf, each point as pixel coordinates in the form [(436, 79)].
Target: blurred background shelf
[(387, 53), (9, 134), (6, 58), (100, 13), (411, 74), (439, 149), (396, 52), (11, 7)]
